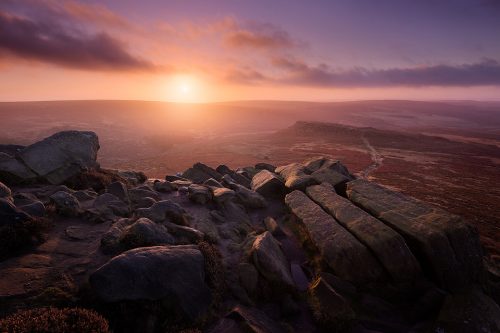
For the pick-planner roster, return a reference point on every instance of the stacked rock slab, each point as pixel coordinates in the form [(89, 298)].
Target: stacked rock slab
[(338, 247), (443, 242), (295, 176), (389, 247)]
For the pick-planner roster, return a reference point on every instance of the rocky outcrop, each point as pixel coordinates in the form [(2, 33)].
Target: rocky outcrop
[(388, 246), (339, 248), (268, 184), (54, 159), (270, 260), (442, 241), (295, 176), (175, 274)]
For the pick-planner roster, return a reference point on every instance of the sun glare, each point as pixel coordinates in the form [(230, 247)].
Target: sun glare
[(184, 89)]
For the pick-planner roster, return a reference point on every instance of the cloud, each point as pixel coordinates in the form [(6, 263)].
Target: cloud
[(485, 72), (259, 36), (246, 76), (52, 42)]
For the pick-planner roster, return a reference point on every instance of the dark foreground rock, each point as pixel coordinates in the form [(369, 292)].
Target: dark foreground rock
[(174, 274)]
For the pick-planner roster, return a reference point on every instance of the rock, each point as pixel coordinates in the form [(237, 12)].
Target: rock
[(212, 183), (136, 194), (339, 249), (35, 209), (181, 183), (252, 321), (172, 178), (183, 234), (270, 260), (174, 274), (145, 202), (163, 210), (295, 176), (110, 241), (119, 190), (248, 172), (76, 232), (11, 150), (133, 177), (316, 163), (265, 166), (62, 155), (108, 201), (388, 246), (66, 203), (236, 177), (268, 184), (447, 245), (248, 277), (85, 195), (199, 194), (249, 199), (5, 191), (223, 195), (200, 173), (329, 308), (469, 312), (13, 171), (273, 227), (164, 186), (10, 215), (144, 232), (299, 277), (327, 175)]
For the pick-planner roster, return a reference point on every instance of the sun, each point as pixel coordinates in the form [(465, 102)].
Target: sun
[(184, 89)]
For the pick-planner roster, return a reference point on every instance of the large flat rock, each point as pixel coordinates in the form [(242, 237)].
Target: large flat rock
[(389, 247), (346, 256), (443, 242)]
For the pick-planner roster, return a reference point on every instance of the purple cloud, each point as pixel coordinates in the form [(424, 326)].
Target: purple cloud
[(50, 42), (485, 72)]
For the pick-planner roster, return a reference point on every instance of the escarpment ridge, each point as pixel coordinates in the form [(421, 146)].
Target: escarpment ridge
[(304, 247)]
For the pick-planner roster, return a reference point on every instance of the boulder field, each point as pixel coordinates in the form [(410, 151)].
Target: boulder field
[(304, 247)]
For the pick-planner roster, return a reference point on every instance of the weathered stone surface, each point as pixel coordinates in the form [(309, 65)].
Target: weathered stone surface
[(9, 214), (199, 194), (62, 155), (248, 277), (109, 202), (164, 186), (66, 204), (200, 173), (345, 255), (133, 177), (330, 308), (5, 191), (268, 184), (316, 163), (110, 241), (119, 190), (252, 321), (273, 227), (85, 195), (162, 210), (223, 195), (13, 171), (247, 197), (172, 273), (136, 194), (265, 166), (295, 176), (35, 208), (270, 260), (389, 247), (212, 183), (444, 242), (327, 175), (144, 232), (183, 234), (469, 312), (236, 177)]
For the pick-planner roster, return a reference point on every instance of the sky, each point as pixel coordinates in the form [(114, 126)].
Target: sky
[(206, 51)]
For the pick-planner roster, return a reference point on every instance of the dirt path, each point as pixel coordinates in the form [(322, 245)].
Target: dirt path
[(377, 160)]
